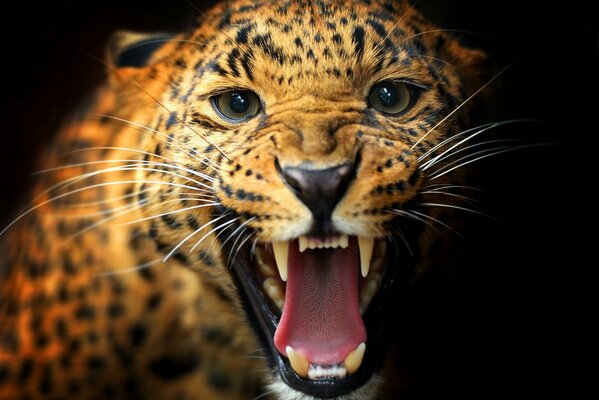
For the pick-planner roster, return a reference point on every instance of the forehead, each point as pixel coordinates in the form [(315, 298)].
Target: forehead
[(293, 43)]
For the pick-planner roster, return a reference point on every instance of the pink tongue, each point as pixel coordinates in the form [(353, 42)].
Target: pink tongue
[(321, 316)]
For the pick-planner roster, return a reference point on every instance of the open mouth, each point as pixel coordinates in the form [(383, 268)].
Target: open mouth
[(320, 305)]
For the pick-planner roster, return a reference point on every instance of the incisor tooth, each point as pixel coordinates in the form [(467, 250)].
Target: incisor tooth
[(303, 243), (366, 245), (298, 362), (354, 359), (281, 251), (344, 241)]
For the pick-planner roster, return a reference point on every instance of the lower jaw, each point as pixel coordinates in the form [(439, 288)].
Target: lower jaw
[(265, 323)]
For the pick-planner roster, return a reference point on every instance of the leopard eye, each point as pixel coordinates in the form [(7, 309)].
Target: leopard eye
[(391, 97), (236, 105)]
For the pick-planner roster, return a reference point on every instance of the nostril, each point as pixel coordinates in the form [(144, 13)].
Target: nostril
[(319, 189)]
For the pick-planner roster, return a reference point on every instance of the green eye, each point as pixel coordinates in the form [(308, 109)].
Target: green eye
[(391, 97), (236, 105)]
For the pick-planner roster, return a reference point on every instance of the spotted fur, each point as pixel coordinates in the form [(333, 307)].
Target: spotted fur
[(104, 291)]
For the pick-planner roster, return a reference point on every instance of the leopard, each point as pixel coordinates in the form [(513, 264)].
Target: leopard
[(240, 208)]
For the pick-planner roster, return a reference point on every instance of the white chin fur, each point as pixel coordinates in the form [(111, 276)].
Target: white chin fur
[(281, 391)]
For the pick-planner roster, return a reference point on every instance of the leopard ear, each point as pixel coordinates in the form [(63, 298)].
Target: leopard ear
[(473, 63), (135, 50)]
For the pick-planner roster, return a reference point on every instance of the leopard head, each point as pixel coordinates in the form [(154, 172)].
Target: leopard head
[(300, 132)]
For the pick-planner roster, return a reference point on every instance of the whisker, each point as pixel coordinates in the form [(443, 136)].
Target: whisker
[(448, 31), (222, 226), (483, 128), (505, 150), (88, 228), (457, 208), (70, 216), (71, 181), (399, 20), (192, 153), (439, 60), (98, 185), (452, 138), (466, 198), (180, 210), (447, 155), (242, 226), (174, 250), (195, 199), (463, 103), (136, 162), (444, 186), (437, 221), (402, 236), (131, 269), (248, 237), (103, 201), (408, 214), (231, 235)]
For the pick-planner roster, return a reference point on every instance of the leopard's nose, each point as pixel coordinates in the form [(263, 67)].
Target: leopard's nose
[(320, 190)]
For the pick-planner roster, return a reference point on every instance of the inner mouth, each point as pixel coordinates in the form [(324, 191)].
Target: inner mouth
[(319, 290), (321, 307)]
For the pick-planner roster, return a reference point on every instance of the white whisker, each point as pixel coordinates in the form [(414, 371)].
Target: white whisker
[(192, 153), (180, 210), (248, 237), (95, 186), (466, 198), (409, 214), (437, 221), (131, 269), (463, 103), (190, 236), (439, 174), (128, 209), (450, 139), (222, 226), (457, 208), (447, 154)]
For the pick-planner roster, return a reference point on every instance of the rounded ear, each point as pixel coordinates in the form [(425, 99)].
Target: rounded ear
[(128, 49), (473, 63)]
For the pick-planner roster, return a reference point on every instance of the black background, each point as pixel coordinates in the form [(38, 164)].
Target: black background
[(516, 318)]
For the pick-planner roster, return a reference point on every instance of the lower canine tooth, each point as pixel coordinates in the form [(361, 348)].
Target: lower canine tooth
[(354, 359), (281, 251), (298, 362)]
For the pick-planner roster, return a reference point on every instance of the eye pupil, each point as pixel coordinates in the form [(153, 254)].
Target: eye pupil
[(239, 102), (388, 96)]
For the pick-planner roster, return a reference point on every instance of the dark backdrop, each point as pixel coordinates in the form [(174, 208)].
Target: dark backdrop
[(516, 317)]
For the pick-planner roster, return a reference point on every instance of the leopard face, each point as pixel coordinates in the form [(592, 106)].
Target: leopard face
[(288, 155), (312, 123)]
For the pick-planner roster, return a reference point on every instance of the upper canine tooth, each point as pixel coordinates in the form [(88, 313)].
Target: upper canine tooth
[(281, 252), (298, 362), (303, 243), (354, 359), (366, 246)]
